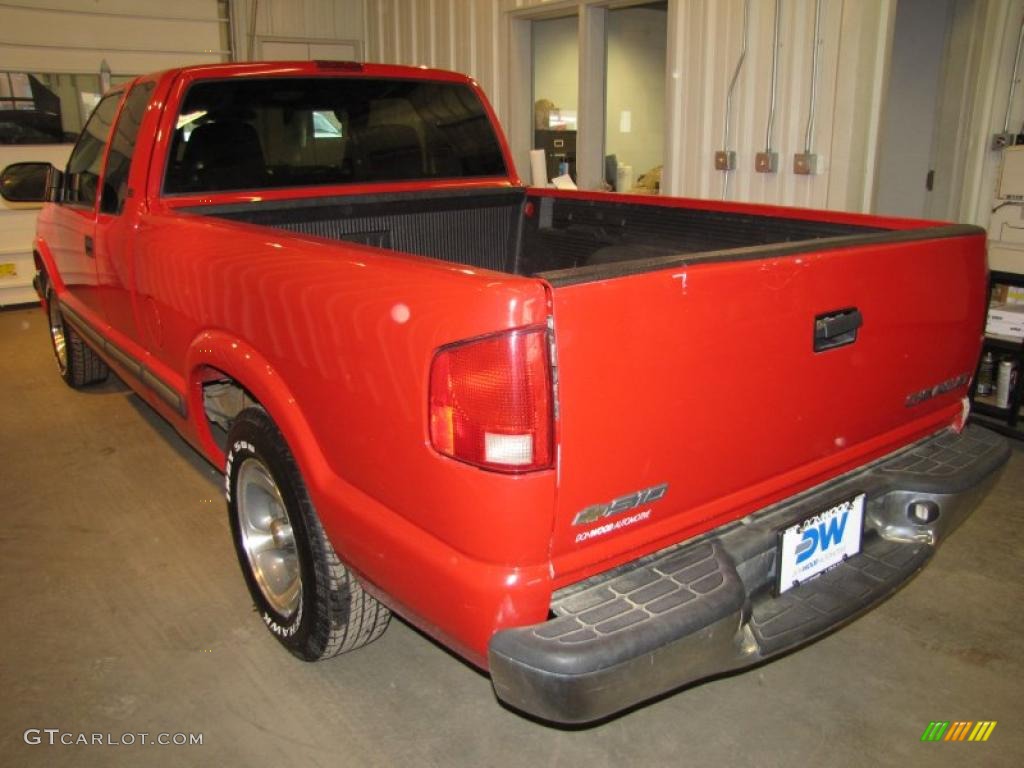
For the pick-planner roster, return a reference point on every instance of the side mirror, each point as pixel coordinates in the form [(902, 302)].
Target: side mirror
[(29, 183)]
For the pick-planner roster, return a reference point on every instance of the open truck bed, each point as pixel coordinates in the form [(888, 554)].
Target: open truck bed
[(571, 237)]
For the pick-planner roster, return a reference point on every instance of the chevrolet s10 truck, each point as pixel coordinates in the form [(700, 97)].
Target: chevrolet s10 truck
[(600, 446)]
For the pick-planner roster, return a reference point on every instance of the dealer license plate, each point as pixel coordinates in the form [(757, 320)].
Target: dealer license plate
[(820, 542)]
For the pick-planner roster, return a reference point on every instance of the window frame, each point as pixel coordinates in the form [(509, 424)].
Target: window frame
[(118, 97), (187, 84), (127, 92)]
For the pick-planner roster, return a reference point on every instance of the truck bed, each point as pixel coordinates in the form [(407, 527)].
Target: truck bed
[(573, 237)]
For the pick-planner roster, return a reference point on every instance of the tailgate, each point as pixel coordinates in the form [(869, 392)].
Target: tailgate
[(705, 378)]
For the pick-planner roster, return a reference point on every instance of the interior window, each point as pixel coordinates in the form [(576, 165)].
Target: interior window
[(281, 132), (122, 144), (81, 179)]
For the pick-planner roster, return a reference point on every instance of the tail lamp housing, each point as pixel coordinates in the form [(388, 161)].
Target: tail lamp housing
[(491, 401)]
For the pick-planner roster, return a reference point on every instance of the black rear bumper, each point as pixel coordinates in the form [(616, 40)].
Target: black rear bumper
[(709, 606)]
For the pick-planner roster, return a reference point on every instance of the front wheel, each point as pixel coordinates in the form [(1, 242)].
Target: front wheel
[(77, 363), (308, 600)]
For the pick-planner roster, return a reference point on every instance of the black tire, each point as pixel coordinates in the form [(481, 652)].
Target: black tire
[(77, 363), (331, 614)]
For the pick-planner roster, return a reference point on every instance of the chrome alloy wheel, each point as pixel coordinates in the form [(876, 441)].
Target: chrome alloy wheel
[(57, 335), (267, 537)]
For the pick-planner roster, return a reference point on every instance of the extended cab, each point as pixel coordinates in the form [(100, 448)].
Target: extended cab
[(599, 445)]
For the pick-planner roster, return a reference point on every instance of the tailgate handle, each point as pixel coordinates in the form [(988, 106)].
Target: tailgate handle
[(837, 328)]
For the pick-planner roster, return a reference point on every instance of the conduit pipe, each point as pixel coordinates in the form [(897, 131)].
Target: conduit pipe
[(728, 102)]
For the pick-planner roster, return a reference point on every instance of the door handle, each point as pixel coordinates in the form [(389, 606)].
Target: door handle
[(836, 328), (89, 250)]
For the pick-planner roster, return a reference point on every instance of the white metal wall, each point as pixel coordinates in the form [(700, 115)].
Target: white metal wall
[(461, 35), (992, 35), (309, 21), (992, 29), (704, 40), (134, 36)]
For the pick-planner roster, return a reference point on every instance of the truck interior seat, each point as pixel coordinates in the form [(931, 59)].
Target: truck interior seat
[(224, 154), (391, 151)]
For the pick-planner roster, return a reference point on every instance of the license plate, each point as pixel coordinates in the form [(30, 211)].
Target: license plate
[(820, 542)]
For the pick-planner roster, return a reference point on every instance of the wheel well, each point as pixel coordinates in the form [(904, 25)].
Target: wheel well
[(44, 278), (223, 399)]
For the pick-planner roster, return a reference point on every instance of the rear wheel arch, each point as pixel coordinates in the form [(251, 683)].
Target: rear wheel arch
[(217, 357)]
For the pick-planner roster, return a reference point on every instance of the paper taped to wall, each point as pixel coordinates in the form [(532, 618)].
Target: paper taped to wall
[(538, 168)]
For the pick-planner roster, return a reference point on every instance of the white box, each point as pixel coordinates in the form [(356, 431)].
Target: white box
[(1006, 320), (1011, 174)]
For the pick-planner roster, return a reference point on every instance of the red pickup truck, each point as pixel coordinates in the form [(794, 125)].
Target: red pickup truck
[(601, 446)]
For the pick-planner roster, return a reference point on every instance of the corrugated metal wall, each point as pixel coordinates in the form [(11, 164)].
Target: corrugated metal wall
[(461, 35), (134, 36), (308, 20), (704, 41)]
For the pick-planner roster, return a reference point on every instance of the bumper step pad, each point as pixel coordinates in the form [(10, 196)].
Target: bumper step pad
[(671, 612), (779, 623), (682, 590)]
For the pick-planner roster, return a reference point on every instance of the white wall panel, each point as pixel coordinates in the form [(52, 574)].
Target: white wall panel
[(461, 35), (296, 20), (134, 37), (994, 28), (704, 40)]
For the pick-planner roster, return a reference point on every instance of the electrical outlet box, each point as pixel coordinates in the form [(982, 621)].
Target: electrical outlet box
[(805, 163), (1002, 140), (1011, 175), (725, 160), (766, 162)]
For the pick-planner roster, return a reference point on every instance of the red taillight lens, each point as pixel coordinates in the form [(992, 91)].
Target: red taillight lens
[(490, 401)]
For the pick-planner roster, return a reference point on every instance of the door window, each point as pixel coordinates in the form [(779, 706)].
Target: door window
[(122, 145), (81, 179)]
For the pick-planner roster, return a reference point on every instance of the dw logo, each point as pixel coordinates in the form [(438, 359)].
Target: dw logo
[(821, 537)]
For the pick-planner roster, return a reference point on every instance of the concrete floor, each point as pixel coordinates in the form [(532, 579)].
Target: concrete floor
[(125, 612)]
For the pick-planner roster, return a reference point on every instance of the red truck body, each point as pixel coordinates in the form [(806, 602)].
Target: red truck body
[(696, 374)]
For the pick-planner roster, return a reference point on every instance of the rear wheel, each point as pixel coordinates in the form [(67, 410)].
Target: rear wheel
[(77, 363), (310, 602)]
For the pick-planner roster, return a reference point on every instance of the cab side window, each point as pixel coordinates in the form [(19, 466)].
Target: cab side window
[(122, 145), (81, 180)]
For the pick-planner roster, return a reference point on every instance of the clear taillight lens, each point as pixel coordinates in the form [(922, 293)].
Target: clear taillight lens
[(490, 401)]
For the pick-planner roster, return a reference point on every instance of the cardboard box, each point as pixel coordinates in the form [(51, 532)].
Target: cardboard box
[(1007, 294)]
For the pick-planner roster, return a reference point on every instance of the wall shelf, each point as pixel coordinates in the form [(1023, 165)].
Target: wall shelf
[(984, 411)]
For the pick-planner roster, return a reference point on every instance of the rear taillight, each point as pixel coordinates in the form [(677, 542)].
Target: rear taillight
[(490, 401)]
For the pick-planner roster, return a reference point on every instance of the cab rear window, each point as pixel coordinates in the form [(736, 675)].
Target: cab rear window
[(283, 132)]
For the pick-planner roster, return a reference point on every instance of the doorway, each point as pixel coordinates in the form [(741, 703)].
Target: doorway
[(908, 135), (555, 65)]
